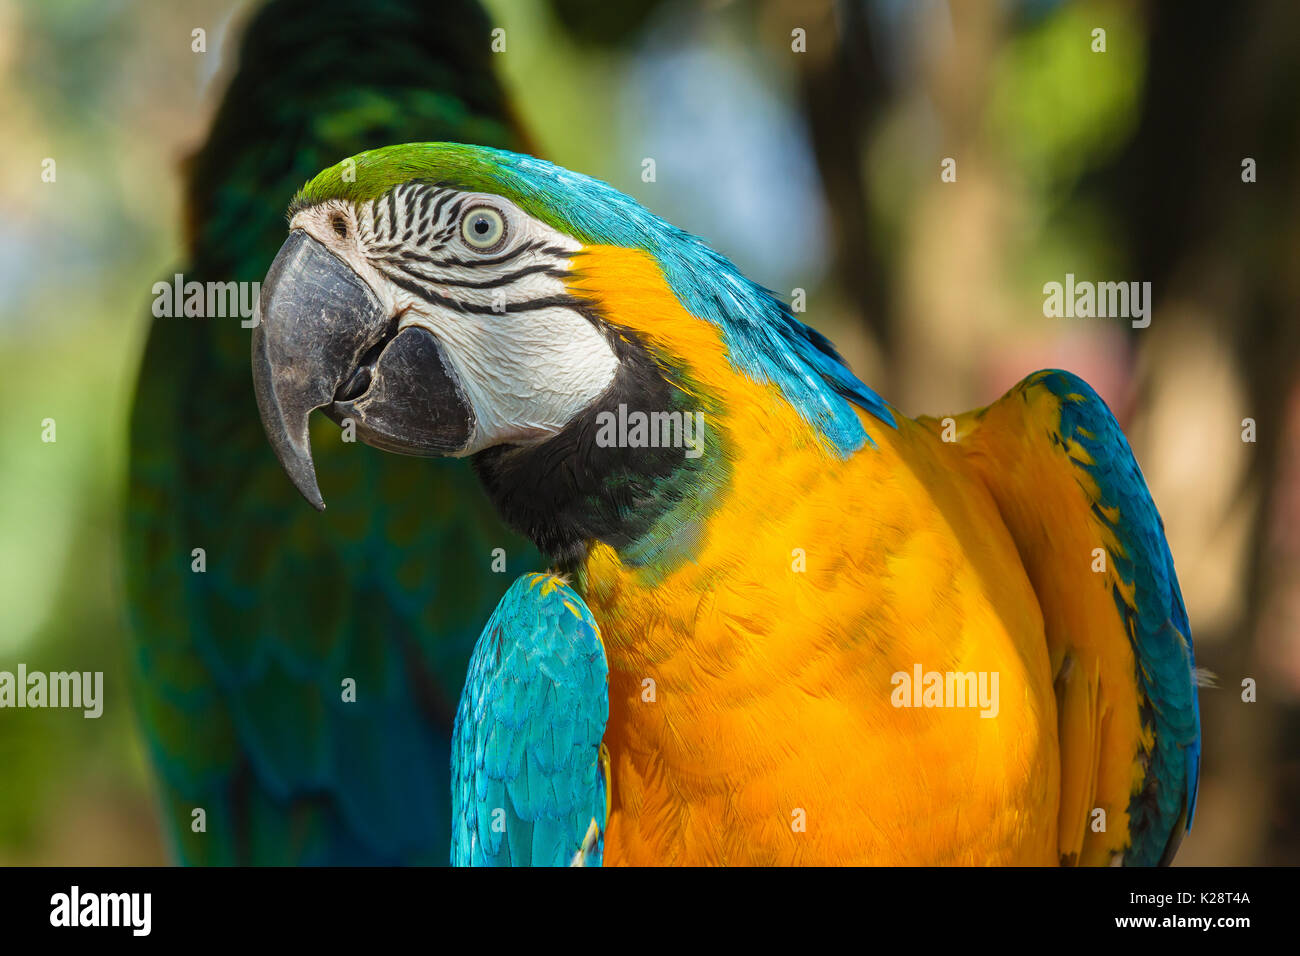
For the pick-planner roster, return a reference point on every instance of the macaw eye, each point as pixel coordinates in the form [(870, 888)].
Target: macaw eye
[(483, 228)]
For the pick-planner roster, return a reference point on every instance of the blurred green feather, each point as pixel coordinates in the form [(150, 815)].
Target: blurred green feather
[(240, 668)]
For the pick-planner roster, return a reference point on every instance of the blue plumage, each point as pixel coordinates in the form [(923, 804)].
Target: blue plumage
[(527, 777)]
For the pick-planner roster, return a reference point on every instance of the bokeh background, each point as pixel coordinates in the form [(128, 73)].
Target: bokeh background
[(817, 170)]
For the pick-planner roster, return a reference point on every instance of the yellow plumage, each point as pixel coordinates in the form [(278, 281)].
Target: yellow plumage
[(751, 718)]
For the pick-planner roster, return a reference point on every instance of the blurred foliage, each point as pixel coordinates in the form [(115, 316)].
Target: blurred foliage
[(1058, 110), (601, 23), (1057, 107), (83, 252)]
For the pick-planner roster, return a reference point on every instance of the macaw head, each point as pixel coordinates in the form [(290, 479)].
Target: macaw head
[(459, 300)]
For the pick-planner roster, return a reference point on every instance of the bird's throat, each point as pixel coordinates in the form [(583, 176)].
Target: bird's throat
[(636, 471)]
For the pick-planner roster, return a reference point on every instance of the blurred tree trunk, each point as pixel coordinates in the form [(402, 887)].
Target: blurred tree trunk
[(1222, 84), (843, 91)]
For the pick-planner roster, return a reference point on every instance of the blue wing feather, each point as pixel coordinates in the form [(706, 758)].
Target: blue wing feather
[(528, 785)]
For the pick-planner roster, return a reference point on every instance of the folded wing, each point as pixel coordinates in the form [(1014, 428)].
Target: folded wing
[(1093, 544), (529, 774)]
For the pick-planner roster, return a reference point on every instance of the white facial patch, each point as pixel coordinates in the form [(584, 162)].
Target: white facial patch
[(526, 358), (527, 384)]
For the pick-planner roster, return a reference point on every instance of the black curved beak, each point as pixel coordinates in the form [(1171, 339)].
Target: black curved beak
[(323, 340)]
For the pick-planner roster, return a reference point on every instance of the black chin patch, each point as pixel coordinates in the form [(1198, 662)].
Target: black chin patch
[(408, 401)]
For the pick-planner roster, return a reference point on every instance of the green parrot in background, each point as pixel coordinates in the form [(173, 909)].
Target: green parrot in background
[(256, 620)]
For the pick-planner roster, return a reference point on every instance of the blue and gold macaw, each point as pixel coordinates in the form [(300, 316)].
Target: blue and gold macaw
[(785, 623)]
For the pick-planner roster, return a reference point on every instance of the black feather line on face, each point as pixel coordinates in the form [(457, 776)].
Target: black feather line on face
[(503, 279), (568, 491), (424, 289)]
